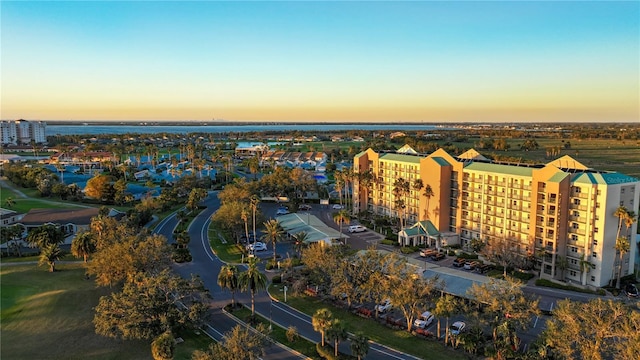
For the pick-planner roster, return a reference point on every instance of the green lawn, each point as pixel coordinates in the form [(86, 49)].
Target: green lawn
[(227, 252), (397, 339), (23, 205), (49, 316)]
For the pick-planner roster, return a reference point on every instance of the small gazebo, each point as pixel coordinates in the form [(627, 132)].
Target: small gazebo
[(422, 233)]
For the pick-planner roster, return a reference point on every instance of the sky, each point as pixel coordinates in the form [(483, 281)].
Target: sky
[(382, 61)]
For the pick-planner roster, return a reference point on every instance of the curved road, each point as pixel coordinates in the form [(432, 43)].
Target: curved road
[(207, 265)]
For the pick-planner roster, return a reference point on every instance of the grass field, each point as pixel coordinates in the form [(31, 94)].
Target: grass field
[(49, 316), (23, 205), (397, 339), (228, 252)]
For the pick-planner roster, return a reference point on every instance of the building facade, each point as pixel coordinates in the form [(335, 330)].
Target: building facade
[(22, 132), (560, 213)]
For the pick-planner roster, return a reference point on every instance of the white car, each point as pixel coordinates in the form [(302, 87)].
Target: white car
[(337, 206), (424, 320), (257, 246), (457, 327), (357, 228), (384, 306)]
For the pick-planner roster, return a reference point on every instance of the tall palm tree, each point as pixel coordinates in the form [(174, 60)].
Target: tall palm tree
[(321, 322), (622, 247), (428, 193), (585, 267), (359, 345), (300, 237), (49, 255), (254, 206), (244, 215), (83, 245), (629, 220), (336, 333), (274, 233), (45, 235), (228, 279), (417, 186), (340, 218), (446, 306), (339, 178), (621, 213), (252, 280)]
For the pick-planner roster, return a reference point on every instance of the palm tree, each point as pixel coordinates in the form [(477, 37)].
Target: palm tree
[(300, 237), (252, 280), (359, 345), (629, 220), (446, 306), (49, 255), (428, 193), (83, 245), (10, 202), (228, 279), (274, 233), (417, 186), (340, 218), (339, 179), (336, 332), (621, 213), (585, 267), (622, 247), (254, 206), (45, 235), (321, 322), (244, 215)]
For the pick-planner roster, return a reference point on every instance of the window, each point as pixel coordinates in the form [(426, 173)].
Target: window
[(572, 273), (595, 254), (574, 237), (595, 242), (573, 249), (595, 230), (576, 201), (593, 278)]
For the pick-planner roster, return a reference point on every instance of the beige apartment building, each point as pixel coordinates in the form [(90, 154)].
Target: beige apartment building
[(561, 211)]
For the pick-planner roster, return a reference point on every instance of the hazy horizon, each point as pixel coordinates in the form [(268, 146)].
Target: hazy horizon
[(375, 62)]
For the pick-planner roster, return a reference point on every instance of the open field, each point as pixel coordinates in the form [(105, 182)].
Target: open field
[(49, 316), (229, 252)]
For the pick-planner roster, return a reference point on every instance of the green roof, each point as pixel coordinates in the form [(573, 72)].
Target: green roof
[(424, 227), (441, 161), (501, 169), (588, 178), (401, 158), (558, 177), (360, 154)]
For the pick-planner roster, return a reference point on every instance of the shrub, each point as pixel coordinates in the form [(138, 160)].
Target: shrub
[(551, 284), (181, 255), (292, 334), (407, 250), (389, 242), (276, 279), (465, 255), (522, 275)]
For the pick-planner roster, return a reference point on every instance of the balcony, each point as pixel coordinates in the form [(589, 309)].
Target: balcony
[(577, 231)]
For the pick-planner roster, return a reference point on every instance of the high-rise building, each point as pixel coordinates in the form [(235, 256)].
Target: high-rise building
[(562, 212), (22, 132)]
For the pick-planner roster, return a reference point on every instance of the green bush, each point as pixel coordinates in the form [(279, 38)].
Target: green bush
[(451, 253), (468, 256), (408, 249), (276, 279), (327, 352), (522, 275), (181, 255), (389, 242)]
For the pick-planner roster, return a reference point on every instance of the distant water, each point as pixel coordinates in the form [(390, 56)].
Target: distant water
[(79, 129)]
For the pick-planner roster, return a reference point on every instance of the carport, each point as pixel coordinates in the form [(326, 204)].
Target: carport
[(317, 231)]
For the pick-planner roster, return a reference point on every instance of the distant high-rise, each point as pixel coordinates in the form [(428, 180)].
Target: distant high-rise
[(22, 132)]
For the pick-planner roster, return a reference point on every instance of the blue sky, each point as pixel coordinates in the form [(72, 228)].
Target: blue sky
[(321, 61)]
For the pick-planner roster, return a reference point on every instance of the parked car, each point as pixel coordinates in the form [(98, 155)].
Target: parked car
[(282, 211), (428, 252), (257, 246), (357, 228), (631, 290), (483, 268), (424, 320), (437, 256), (470, 265), (304, 207), (384, 306), (337, 206), (459, 262), (457, 327)]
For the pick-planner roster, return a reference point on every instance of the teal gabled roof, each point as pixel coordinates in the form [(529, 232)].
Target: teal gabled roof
[(401, 158), (609, 178), (424, 227), (501, 169)]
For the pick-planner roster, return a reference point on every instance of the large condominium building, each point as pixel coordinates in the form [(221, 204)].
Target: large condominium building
[(562, 212), (21, 132)]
